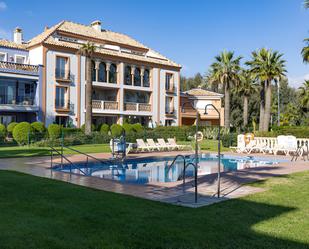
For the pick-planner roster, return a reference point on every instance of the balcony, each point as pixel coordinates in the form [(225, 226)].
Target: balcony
[(62, 75), (64, 108), (170, 111), (17, 104), (104, 105), (137, 107), (170, 89), (10, 67)]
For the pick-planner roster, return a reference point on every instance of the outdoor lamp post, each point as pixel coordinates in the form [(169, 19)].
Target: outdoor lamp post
[(219, 155), (196, 143)]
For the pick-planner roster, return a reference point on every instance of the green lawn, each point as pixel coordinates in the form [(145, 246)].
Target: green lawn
[(25, 151), (42, 213)]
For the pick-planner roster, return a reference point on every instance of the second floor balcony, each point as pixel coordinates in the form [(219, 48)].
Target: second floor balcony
[(62, 75), (137, 107), (104, 105), (11, 67)]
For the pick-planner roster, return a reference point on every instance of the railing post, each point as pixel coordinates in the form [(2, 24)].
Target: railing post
[(102, 105), (137, 107)]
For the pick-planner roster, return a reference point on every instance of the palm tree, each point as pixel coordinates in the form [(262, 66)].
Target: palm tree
[(88, 50), (304, 94), (305, 50), (245, 88), (306, 4), (266, 66), (225, 72)]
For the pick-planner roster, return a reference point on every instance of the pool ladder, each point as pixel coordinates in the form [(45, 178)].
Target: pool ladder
[(185, 166)]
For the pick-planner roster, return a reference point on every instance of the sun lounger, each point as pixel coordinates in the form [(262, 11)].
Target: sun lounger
[(142, 146), (172, 142), (152, 143), (164, 145)]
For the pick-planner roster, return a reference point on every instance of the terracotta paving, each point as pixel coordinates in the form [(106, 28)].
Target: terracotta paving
[(232, 183)]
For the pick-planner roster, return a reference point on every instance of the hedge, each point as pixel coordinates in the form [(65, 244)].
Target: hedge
[(83, 127), (21, 133), (2, 132), (54, 131), (10, 127), (104, 129), (116, 130), (38, 127), (297, 131)]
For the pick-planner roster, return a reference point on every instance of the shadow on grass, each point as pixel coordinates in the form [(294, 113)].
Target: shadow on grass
[(49, 214), (23, 152)]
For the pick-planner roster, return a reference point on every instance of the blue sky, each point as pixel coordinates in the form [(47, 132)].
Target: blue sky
[(189, 32)]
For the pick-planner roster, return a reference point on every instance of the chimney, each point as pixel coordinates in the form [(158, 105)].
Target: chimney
[(96, 25), (18, 35)]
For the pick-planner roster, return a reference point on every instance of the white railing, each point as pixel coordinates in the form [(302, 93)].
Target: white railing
[(141, 107), (104, 105), (272, 142), (17, 66)]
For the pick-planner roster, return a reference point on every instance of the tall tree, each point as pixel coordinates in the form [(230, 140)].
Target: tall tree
[(246, 87), (266, 65), (306, 4), (304, 94), (225, 71), (88, 50)]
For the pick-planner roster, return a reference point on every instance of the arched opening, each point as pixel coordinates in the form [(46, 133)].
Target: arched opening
[(113, 73), (146, 80), (137, 77), (127, 75)]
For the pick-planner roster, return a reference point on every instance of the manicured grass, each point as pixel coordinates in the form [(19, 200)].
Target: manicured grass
[(25, 151), (42, 213)]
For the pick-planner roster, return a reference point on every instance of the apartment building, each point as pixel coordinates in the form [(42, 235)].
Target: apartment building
[(199, 99), (131, 82), (19, 82)]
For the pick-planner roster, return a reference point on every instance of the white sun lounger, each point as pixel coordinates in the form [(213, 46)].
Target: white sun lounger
[(172, 142), (152, 143), (164, 145), (142, 146)]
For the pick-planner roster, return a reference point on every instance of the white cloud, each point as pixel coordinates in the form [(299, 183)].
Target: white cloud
[(3, 6), (298, 81), (4, 34)]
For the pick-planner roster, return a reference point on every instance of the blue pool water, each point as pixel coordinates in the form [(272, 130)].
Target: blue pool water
[(155, 169)]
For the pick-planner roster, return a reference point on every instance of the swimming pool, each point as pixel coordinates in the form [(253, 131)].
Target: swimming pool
[(156, 169)]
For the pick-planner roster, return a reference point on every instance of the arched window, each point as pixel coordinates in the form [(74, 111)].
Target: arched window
[(93, 71), (113, 73), (102, 72), (137, 77), (127, 76), (146, 81)]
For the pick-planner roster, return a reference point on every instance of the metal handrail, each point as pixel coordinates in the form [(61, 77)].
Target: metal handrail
[(62, 156), (85, 154)]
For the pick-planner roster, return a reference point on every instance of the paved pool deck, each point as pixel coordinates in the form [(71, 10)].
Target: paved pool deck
[(232, 183)]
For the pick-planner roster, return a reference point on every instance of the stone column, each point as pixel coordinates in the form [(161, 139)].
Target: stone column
[(108, 64), (142, 76), (132, 74), (97, 65)]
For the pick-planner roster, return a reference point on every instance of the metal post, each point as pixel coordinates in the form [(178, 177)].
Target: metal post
[(219, 158), (196, 155), (51, 163), (61, 148)]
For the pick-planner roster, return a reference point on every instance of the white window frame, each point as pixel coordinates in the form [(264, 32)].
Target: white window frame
[(19, 55), (5, 55)]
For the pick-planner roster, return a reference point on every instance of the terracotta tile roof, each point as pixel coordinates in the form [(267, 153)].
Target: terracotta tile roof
[(202, 92), (10, 44), (104, 35), (66, 44)]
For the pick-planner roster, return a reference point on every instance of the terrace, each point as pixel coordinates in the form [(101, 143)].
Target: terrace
[(11, 67)]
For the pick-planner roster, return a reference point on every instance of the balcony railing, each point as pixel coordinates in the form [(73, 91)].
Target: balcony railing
[(63, 75), (64, 108), (137, 107), (4, 100), (170, 89), (170, 111), (104, 105), (16, 67)]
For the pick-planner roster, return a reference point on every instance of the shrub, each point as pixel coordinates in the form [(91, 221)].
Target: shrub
[(54, 131), (21, 133), (229, 140), (10, 127), (116, 130), (38, 127), (83, 128), (104, 129), (137, 127), (128, 128), (2, 132)]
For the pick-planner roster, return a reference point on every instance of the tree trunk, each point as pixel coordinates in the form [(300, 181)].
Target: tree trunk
[(262, 107), (245, 114), (226, 107), (267, 105), (88, 118)]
